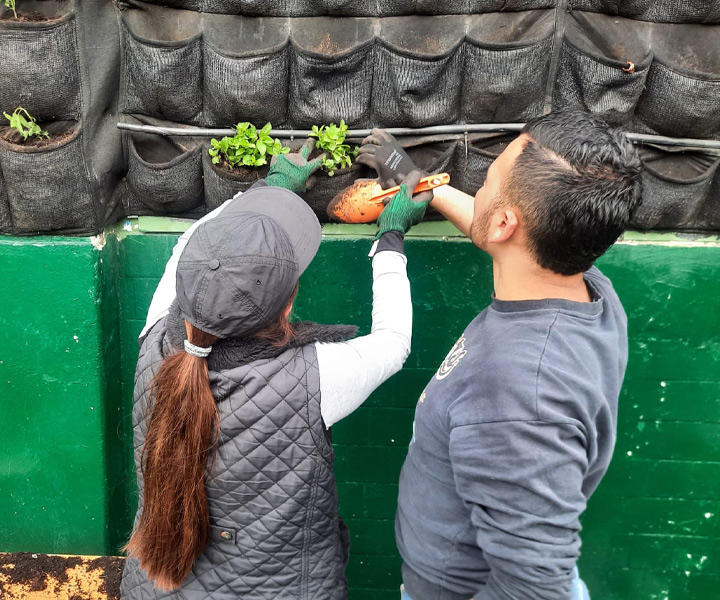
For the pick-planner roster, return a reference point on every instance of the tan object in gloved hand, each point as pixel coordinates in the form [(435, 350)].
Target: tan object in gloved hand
[(363, 201)]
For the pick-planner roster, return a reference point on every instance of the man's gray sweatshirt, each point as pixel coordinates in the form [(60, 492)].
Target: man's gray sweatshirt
[(511, 437)]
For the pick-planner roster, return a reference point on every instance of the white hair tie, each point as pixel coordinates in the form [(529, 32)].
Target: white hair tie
[(198, 351)]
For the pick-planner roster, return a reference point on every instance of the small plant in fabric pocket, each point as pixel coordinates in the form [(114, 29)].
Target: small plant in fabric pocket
[(249, 147), (11, 5), (331, 139), (25, 124)]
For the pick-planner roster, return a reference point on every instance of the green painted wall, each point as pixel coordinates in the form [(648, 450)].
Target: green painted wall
[(652, 530), (59, 395)]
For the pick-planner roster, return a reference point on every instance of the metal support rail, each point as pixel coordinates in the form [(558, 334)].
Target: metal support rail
[(638, 138)]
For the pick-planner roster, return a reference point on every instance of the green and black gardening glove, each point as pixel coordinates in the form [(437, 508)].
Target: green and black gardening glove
[(382, 152), (293, 171), (403, 211)]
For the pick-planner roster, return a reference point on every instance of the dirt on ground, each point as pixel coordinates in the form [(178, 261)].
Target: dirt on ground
[(28, 576)]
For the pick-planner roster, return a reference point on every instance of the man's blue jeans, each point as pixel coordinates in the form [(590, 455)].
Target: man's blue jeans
[(579, 590)]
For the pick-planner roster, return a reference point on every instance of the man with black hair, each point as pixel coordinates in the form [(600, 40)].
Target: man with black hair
[(517, 427)]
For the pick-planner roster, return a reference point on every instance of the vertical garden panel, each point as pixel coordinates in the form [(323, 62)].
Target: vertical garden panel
[(603, 67), (682, 86), (599, 85), (664, 107), (190, 4), (331, 72), (418, 73), (667, 11), (471, 161), (165, 176), (415, 91), (5, 218), (505, 75), (246, 65), (162, 78), (48, 187), (263, 8), (40, 68), (343, 8), (221, 184), (248, 87), (675, 188)]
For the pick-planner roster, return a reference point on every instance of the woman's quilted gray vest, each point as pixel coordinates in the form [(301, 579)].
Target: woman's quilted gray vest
[(275, 532)]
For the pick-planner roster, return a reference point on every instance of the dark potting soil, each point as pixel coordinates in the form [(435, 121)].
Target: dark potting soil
[(113, 568), (242, 173), (12, 136), (33, 570), (25, 17)]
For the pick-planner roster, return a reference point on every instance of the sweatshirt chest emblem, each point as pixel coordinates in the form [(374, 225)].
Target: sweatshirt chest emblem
[(456, 354)]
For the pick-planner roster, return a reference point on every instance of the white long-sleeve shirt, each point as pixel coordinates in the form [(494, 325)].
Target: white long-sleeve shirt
[(349, 371)]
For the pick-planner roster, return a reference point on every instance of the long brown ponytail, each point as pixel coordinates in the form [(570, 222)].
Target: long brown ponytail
[(174, 524), (182, 434)]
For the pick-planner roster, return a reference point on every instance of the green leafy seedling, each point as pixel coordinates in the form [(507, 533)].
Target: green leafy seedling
[(249, 147), (331, 140), (26, 127), (11, 5)]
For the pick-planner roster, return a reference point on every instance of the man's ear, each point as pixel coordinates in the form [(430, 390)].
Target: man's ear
[(503, 225)]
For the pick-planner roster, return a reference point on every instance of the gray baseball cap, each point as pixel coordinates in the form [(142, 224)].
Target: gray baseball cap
[(239, 269)]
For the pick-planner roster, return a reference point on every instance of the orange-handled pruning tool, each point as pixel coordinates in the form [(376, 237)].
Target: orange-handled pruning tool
[(363, 201)]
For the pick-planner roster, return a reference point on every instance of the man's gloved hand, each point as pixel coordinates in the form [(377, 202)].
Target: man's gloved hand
[(382, 152), (402, 211), (293, 171)]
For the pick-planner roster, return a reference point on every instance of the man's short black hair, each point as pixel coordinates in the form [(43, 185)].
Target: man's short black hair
[(576, 185)]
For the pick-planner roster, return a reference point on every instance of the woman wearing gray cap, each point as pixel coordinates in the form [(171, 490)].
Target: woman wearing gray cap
[(232, 402)]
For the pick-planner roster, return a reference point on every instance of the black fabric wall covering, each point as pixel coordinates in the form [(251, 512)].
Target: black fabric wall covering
[(645, 66), (65, 71), (668, 11)]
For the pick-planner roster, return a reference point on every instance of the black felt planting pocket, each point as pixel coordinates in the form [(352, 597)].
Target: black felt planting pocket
[(342, 8), (48, 187), (680, 103), (451, 7), (221, 184), (600, 84), (40, 68), (164, 176), (454, 7), (658, 11), (162, 79), (311, 8), (326, 188), (433, 158), (251, 87), (675, 187), (471, 161), (447, 7), (708, 217), (260, 8), (189, 4), (5, 220), (327, 87), (414, 90), (506, 81)]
